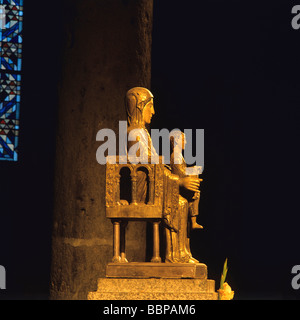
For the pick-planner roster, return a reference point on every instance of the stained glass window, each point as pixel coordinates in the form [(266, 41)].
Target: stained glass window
[(11, 23)]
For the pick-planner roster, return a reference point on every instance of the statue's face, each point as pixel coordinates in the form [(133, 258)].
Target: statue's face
[(148, 112)]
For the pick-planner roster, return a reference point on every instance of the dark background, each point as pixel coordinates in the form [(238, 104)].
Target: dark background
[(231, 69)]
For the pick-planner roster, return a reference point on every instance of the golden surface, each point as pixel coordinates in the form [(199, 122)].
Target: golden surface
[(150, 191)]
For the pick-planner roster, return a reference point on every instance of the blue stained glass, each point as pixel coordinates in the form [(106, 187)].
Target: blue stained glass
[(12, 2), (11, 25)]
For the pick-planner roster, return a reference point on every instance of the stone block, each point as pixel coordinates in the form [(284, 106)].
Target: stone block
[(156, 270)]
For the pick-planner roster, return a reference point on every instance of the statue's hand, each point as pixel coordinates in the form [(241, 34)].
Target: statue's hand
[(190, 183)]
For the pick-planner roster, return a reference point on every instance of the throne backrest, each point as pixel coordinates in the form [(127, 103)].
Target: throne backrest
[(155, 176)]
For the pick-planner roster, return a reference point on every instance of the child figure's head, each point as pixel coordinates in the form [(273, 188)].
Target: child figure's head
[(177, 140)]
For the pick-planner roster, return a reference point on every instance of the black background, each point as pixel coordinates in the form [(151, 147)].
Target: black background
[(233, 70), (227, 67)]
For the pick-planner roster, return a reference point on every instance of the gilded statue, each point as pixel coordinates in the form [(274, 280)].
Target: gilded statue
[(180, 191)]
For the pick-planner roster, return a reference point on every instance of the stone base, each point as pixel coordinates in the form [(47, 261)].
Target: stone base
[(154, 289), (156, 270)]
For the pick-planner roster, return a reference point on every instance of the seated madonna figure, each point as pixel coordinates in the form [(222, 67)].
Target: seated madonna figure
[(140, 109)]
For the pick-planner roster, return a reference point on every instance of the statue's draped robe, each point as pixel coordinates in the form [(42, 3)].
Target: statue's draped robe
[(178, 167), (175, 207)]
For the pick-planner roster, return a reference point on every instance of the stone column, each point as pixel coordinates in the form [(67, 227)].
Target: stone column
[(106, 51)]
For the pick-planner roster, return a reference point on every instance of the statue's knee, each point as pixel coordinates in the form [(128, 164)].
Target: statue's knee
[(183, 202)]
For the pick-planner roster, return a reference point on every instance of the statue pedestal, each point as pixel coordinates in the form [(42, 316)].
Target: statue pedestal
[(155, 281), (156, 270), (154, 289)]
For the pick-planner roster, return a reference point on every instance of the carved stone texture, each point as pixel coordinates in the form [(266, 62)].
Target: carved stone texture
[(154, 289)]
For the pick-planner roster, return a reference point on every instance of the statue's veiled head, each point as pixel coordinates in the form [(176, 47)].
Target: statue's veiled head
[(139, 106)]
